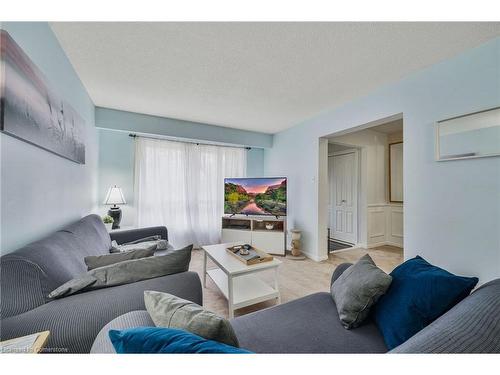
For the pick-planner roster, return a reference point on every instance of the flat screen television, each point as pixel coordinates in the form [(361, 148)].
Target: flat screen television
[(255, 196)]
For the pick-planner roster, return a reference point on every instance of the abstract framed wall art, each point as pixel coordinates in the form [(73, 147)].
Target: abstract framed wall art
[(31, 110)]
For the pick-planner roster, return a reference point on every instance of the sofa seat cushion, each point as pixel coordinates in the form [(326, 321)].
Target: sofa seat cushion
[(75, 321), (306, 325)]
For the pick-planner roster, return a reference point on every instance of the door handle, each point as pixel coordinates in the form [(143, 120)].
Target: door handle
[(343, 201)]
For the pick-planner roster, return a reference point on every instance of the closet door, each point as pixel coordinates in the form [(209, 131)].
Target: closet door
[(344, 196)]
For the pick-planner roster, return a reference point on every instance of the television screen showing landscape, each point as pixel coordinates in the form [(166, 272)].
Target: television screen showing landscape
[(255, 196)]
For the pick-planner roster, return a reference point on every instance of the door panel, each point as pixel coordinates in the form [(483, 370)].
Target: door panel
[(348, 227), (339, 223), (343, 172)]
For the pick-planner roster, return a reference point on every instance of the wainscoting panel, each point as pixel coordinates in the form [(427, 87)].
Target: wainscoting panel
[(395, 236), (385, 225), (376, 225)]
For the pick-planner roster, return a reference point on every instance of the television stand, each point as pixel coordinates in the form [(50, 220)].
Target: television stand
[(267, 233)]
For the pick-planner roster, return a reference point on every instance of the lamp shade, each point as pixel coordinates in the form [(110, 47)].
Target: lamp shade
[(114, 196)]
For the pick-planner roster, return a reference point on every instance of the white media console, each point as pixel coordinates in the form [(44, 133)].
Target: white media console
[(265, 233)]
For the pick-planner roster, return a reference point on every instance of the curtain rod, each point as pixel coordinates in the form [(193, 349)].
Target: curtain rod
[(194, 142)]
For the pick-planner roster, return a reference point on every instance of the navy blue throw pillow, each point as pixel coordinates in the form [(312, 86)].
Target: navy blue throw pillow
[(419, 294), (153, 340)]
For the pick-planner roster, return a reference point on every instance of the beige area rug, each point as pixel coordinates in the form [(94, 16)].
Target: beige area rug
[(296, 278)]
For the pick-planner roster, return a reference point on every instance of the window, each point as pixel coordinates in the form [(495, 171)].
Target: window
[(181, 185)]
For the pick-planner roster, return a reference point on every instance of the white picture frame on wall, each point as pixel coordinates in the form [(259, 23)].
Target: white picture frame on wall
[(469, 136), (396, 172)]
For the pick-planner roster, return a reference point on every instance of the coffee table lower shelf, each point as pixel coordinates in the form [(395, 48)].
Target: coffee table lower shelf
[(247, 290)]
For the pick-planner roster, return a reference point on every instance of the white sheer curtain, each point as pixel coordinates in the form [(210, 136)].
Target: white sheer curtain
[(181, 185)]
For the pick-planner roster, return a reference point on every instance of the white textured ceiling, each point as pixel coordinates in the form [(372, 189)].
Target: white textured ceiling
[(256, 76)]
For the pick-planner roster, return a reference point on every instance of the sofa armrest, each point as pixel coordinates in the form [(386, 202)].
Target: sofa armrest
[(124, 236), (339, 271)]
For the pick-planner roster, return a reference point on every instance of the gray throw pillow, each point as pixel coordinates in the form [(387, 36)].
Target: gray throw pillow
[(96, 261), (144, 239), (357, 290), (169, 311), (127, 272), (159, 245)]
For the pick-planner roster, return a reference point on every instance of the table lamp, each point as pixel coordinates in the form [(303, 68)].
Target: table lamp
[(114, 197)]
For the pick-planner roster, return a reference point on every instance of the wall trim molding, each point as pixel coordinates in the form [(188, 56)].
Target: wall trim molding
[(383, 243), (114, 119), (385, 224), (376, 244), (394, 244), (314, 257)]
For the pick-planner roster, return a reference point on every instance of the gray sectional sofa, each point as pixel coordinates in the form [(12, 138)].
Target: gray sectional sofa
[(311, 325), (29, 274), (80, 323)]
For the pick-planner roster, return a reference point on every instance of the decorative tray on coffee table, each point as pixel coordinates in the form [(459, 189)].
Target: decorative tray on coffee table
[(254, 256)]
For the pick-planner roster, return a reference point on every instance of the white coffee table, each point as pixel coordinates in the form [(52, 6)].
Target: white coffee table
[(237, 281)]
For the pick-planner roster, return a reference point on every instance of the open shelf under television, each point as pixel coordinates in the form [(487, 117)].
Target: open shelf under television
[(236, 223), (266, 233)]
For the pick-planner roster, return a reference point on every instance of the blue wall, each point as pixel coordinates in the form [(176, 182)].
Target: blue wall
[(136, 122), (116, 148), (116, 167), (451, 209), (255, 162), (40, 191)]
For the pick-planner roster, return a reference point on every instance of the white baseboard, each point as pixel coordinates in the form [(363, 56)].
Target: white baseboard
[(355, 247), (376, 244), (394, 244), (383, 243), (314, 257)]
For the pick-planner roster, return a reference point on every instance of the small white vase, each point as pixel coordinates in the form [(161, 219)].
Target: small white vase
[(109, 226)]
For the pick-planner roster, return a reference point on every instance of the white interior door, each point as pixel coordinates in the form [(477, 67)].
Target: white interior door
[(343, 172)]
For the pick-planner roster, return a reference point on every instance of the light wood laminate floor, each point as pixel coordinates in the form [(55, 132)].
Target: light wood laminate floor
[(297, 278)]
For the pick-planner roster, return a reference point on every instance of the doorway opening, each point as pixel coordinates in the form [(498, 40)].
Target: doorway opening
[(365, 186)]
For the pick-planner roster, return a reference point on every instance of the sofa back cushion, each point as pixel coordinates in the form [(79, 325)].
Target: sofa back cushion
[(126, 272), (32, 272), (472, 326), (419, 294)]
